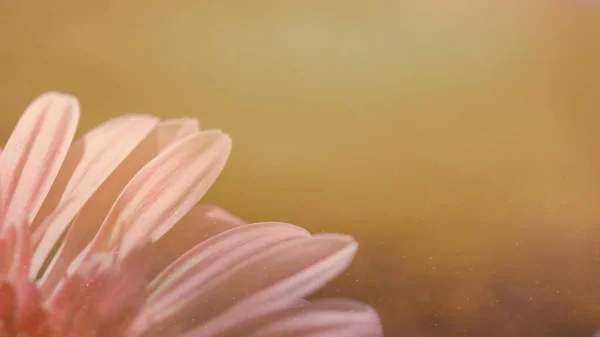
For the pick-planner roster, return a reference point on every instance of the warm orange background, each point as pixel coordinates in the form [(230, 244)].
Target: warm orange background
[(458, 141)]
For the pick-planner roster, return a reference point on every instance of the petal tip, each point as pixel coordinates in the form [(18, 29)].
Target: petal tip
[(56, 95)]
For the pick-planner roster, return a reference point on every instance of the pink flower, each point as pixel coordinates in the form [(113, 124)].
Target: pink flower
[(102, 237)]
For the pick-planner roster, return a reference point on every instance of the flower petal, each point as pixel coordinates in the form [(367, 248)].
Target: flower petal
[(31, 315), (94, 156), (205, 262), (21, 254), (294, 271), (220, 253), (8, 243), (247, 275), (331, 318), (199, 224), (174, 130), (88, 164), (102, 297), (322, 319), (34, 153), (8, 302), (164, 191), (92, 214)]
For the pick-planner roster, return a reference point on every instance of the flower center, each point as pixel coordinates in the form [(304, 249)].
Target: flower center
[(21, 313)]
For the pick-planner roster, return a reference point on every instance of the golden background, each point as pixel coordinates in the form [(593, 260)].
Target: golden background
[(459, 142)]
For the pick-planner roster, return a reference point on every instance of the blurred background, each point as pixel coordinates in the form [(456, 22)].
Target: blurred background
[(459, 142)]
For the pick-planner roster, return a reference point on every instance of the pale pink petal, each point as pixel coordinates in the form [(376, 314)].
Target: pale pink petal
[(331, 318), (92, 214), (8, 242), (323, 319), (247, 275), (294, 271), (5, 254), (164, 191), (102, 297), (298, 303), (173, 130), (88, 164), (206, 261), (219, 254), (21, 254), (94, 156), (128, 286), (199, 224), (34, 153)]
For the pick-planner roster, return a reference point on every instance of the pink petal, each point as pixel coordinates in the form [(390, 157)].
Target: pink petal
[(247, 275), (88, 164), (21, 311), (94, 156), (295, 271), (164, 191), (34, 153), (322, 318), (102, 297), (8, 243), (174, 130), (218, 254), (199, 224), (30, 313), (21, 254), (206, 261), (8, 302), (5, 255), (325, 320), (92, 214), (129, 279)]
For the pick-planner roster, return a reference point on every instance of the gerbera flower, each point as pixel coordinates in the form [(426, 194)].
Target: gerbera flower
[(102, 237)]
